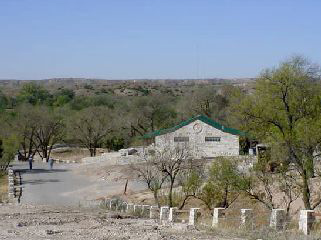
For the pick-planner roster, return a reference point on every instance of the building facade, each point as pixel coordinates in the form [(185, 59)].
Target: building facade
[(203, 137)]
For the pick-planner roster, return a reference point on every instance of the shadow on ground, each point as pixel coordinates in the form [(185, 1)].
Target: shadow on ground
[(42, 170), (40, 181)]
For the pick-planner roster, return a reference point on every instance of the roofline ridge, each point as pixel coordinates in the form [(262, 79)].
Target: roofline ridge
[(205, 119)]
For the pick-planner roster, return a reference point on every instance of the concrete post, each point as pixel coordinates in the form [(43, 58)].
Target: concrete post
[(306, 221), (110, 204), (246, 217), (193, 212), (217, 214), (153, 212), (172, 214), (277, 219), (163, 215)]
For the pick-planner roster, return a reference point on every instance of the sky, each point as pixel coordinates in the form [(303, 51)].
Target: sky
[(128, 39)]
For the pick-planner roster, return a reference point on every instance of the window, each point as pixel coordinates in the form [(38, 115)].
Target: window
[(181, 139), (212, 139)]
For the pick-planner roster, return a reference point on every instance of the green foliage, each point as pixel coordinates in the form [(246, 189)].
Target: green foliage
[(114, 143), (34, 94), (88, 87), (62, 97), (3, 101), (9, 147), (82, 102), (284, 112), (223, 185)]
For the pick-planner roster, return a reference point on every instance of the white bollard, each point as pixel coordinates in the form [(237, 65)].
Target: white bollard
[(163, 215), (110, 204), (306, 221), (172, 214), (193, 212), (246, 217), (277, 219), (153, 212), (217, 214)]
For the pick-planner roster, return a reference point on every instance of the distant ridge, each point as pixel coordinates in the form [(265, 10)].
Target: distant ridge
[(73, 81)]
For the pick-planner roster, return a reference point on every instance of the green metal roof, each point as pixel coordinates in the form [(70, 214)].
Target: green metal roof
[(188, 121)]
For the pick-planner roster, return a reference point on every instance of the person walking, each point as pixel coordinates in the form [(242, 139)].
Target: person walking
[(51, 162), (30, 162)]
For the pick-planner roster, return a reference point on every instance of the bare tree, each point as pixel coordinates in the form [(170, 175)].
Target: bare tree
[(147, 171), (90, 126), (172, 161), (49, 130), (24, 126)]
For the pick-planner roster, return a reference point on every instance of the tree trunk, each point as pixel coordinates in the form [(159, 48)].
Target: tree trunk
[(170, 194), (225, 202), (91, 150), (306, 190), (156, 197)]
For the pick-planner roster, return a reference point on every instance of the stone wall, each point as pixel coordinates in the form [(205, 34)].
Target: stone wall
[(197, 131)]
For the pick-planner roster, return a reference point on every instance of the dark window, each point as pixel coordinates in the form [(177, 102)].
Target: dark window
[(212, 139), (181, 139)]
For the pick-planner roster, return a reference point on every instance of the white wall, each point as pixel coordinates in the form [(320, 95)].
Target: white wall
[(228, 146)]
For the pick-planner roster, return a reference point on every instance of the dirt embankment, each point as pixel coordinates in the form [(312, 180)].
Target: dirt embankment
[(44, 222)]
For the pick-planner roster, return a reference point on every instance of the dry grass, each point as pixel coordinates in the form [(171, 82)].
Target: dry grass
[(3, 188), (72, 154)]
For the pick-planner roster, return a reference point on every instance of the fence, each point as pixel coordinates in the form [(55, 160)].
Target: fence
[(14, 181), (246, 219)]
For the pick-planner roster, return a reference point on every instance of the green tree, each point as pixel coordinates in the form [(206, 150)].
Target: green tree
[(63, 96), (34, 94), (23, 123), (284, 111), (8, 146), (3, 101), (224, 184)]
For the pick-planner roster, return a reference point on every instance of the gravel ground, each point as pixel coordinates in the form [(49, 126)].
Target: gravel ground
[(49, 222)]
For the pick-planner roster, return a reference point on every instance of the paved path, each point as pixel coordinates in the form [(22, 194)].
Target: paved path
[(61, 186), (44, 186)]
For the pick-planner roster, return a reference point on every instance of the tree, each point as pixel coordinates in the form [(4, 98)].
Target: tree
[(34, 94), (3, 101), (8, 149), (269, 187), (63, 96), (49, 130), (91, 126), (147, 114), (206, 101), (167, 169), (284, 110), (148, 172), (23, 124), (172, 162), (224, 184)]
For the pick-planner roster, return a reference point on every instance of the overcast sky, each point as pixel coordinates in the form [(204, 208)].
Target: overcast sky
[(119, 39)]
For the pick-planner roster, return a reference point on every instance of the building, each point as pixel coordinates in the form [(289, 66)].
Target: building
[(204, 138)]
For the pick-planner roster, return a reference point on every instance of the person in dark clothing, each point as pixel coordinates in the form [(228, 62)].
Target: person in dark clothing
[(51, 162), (30, 163)]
